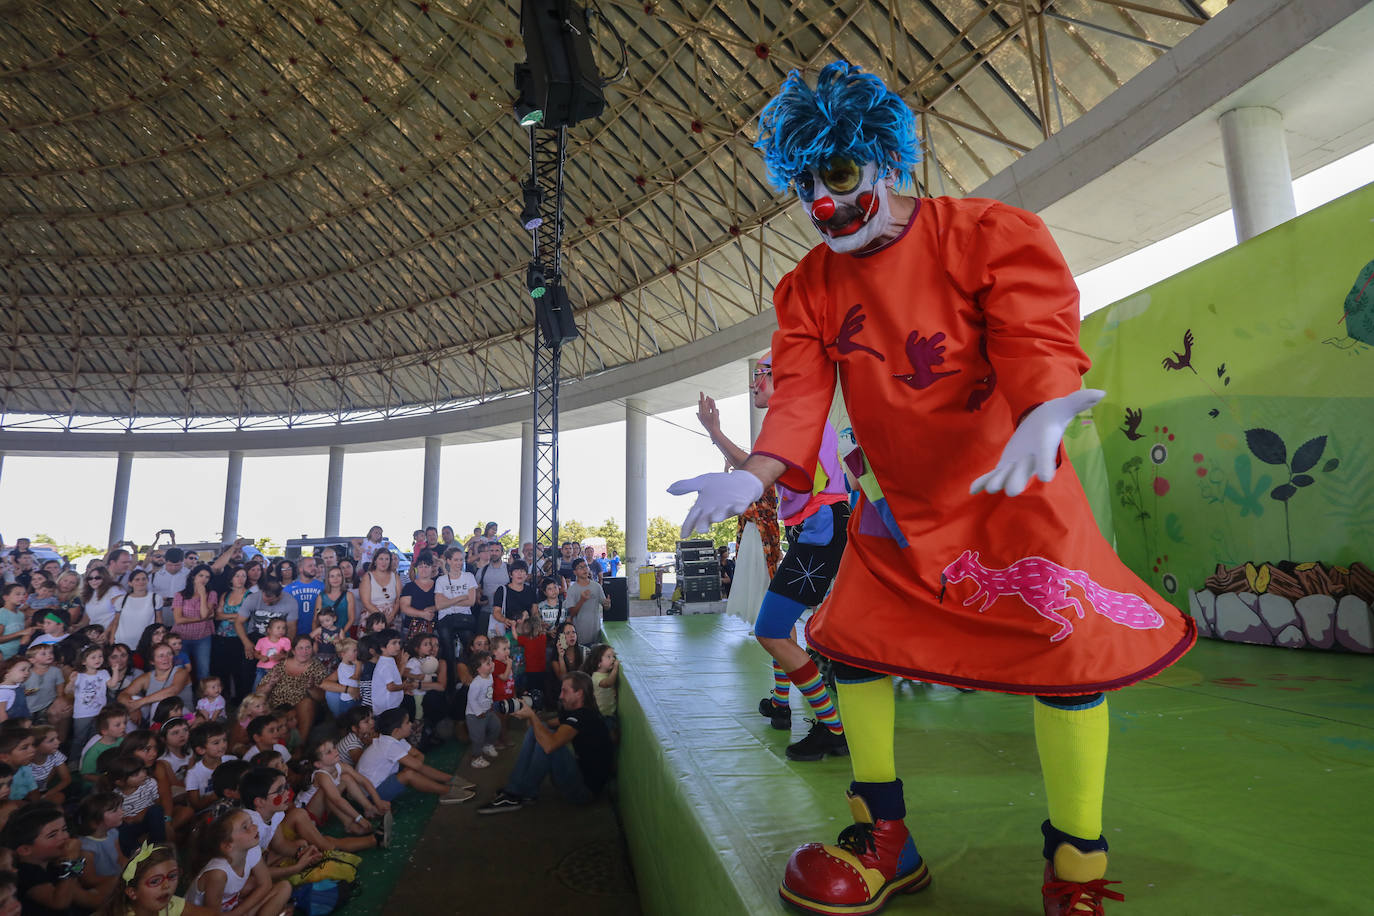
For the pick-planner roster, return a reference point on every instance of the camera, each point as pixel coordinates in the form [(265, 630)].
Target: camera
[(506, 707)]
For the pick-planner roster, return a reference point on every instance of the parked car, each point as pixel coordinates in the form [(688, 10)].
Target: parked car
[(663, 559)]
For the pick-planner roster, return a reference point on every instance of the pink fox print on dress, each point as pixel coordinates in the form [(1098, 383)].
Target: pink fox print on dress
[(1044, 585)]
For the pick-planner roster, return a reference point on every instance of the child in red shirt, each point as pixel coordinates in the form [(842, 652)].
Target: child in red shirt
[(534, 640)]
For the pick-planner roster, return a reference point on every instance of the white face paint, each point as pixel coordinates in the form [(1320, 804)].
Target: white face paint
[(848, 203)]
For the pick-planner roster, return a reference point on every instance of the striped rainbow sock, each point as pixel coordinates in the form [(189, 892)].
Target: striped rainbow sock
[(781, 685), (808, 681)]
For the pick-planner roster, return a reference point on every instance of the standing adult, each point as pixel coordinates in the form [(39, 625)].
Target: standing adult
[(120, 562), (193, 617), (168, 581), (514, 599), (133, 612), (69, 586), (380, 588), (816, 521), (231, 636), (952, 325), (305, 590), (493, 574), (586, 600), (259, 609), (100, 595), (594, 567), (566, 557), (337, 598), (455, 594)]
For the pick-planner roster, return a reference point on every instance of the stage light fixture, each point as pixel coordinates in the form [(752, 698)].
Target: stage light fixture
[(534, 199), (535, 282)]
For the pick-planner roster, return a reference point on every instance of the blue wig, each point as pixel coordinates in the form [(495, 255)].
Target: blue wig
[(849, 113)]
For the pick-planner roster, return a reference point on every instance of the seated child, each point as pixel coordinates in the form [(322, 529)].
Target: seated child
[(50, 764), (332, 782), (48, 861), (53, 624), (210, 706), (142, 746), (143, 816), (209, 741), (265, 733), (180, 657), (149, 889), (7, 805), (110, 725), (174, 743), (392, 765), (97, 824), (252, 706), (287, 830), (17, 750), (359, 730), (230, 874), (271, 649)]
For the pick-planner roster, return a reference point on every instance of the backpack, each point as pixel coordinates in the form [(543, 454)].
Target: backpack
[(319, 898)]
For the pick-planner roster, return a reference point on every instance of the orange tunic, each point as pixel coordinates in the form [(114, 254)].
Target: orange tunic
[(943, 340)]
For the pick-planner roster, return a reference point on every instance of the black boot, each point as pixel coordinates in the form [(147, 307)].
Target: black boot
[(818, 742)]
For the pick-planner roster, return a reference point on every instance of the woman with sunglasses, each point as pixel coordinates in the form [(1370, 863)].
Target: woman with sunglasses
[(101, 596)]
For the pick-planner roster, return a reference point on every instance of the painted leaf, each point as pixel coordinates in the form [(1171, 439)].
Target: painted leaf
[(1283, 492), (1173, 527), (1267, 445), (1331, 465), (1302, 480), (1257, 578), (1308, 454)]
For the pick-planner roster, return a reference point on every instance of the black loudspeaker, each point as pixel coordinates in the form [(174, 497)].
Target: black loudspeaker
[(555, 315), (700, 588), (618, 591), (559, 76)]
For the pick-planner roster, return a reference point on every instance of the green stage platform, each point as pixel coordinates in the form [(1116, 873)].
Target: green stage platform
[(1240, 781)]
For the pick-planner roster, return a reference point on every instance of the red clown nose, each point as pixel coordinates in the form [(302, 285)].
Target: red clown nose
[(823, 208)]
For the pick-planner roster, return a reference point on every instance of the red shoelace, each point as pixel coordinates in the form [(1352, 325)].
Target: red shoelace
[(1075, 893)]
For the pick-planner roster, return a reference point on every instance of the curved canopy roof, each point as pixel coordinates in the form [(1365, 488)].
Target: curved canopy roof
[(245, 213)]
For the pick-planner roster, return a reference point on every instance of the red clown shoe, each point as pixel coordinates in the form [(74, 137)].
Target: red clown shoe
[(871, 861)]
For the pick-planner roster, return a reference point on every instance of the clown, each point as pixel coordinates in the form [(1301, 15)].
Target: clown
[(952, 326), (815, 520)]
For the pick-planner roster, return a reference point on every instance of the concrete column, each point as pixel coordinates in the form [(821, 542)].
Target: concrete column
[(123, 471), (230, 529), (636, 492), (429, 498), (333, 494), (1257, 171), (755, 413), (527, 482)]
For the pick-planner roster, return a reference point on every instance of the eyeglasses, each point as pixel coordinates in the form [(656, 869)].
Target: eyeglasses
[(761, 371), (156, 881), (281, 798)]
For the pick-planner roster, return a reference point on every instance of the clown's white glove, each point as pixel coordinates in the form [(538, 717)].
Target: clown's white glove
[(1032, 449), (719, 496)]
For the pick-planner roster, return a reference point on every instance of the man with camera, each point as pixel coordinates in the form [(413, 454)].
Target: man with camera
[(580, 771)]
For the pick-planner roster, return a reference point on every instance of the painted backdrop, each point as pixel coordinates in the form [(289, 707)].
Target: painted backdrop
[(1238, 426)]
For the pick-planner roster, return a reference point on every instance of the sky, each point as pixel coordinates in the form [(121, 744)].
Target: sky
[(283, 497)]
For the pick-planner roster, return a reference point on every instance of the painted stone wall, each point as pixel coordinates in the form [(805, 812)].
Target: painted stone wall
[(1238, 426)]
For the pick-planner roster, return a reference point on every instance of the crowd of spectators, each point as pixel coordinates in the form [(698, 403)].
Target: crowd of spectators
[(235, 728)]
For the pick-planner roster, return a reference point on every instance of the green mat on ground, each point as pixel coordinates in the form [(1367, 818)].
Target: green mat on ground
[(1238, 782), (381, 869)]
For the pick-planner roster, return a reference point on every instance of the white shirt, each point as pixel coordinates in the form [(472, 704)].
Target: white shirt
[(385, 672), (280, 749), (233, 882), (455, 588), (265, 830), (382, 758), (134, 616), (102, 610), (198, 776), (165, 584), (479, 696)]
